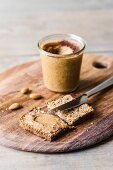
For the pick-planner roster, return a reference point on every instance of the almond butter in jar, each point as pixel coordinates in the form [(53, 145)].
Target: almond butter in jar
[(61, 57)]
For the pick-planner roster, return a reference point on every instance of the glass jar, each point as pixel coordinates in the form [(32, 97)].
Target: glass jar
[(61, 73)]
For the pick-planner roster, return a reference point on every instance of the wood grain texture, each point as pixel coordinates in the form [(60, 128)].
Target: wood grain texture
[(89, 133)]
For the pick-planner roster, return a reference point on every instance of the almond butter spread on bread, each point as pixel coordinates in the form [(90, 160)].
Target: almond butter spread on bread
[(50, 126), (43, 125), (73, 116)]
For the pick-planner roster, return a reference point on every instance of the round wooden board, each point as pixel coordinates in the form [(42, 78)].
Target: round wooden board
[(97, 129)]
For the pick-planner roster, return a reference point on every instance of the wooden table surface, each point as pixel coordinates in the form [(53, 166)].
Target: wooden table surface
[(22, 24)]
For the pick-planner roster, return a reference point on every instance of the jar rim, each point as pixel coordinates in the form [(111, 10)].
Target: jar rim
[(72, 36)]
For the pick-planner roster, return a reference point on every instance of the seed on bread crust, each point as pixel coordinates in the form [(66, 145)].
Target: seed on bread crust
[(15, 106), (35, 96)]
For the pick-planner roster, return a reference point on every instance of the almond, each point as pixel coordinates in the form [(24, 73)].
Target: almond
[(25, 90), (35, 96), (15, 106)]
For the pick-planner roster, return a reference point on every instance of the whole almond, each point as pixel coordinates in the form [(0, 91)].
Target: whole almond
[(35, 96), (25, 90), (15, 106)]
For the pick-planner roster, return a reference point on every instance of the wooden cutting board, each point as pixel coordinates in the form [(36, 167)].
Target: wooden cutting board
[(95, 69)]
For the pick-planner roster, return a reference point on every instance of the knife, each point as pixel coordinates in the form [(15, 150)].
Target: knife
[(84, 98)]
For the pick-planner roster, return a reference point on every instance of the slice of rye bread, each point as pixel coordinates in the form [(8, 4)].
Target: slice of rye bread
[(73, 116), (43, 125)]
